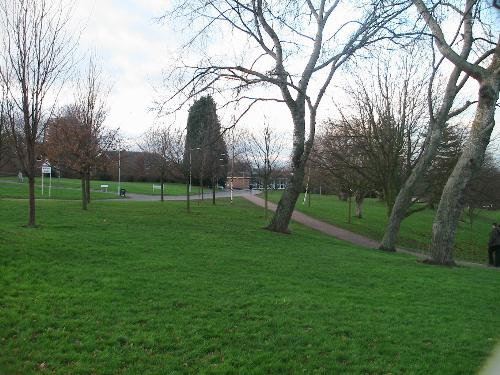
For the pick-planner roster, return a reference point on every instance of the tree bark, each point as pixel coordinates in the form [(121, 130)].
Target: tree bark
[(32, 217), (281, 219), (87, 185), (84, 192), (213, 190), (161, 186), (403, 200), (301, 150), (266, 194), (451, 203), (359, 198)]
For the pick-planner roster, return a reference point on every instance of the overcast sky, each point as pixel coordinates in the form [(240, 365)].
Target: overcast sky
[(132, 48)]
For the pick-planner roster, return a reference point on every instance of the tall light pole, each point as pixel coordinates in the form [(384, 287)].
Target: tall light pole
[(119, 171), (232, 171)]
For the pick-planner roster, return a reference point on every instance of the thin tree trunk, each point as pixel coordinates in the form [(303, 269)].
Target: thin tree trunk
[(161, 186), (84, 192), (349, 211), (201, 184), (403, 200), (87, 185), (32, 217), (213, 191), (451, 203), (188, 201), (266, 195), (359, 198)]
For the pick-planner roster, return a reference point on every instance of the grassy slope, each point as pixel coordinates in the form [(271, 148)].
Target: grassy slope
[(471, 243), (66, 188), (144, 288)]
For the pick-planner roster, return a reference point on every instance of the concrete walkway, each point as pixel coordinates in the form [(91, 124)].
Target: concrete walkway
[(207, 196), (343, 234)]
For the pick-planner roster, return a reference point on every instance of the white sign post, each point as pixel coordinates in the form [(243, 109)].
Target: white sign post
[(46, 168)]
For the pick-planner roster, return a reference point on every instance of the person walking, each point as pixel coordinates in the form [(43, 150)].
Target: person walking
[(494, 246)]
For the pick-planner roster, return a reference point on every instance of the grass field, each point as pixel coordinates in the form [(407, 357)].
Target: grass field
[(145, 288), (66, 188), (471, 241)]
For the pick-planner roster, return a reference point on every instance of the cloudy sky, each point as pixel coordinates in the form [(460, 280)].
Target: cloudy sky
[(134, 49)]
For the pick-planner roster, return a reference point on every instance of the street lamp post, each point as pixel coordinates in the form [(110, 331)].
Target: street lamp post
[(119, 171)]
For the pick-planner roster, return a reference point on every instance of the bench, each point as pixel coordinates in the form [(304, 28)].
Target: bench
[(156, 187), (104, 188)]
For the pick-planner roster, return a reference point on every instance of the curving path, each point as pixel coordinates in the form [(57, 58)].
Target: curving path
[(343, 234)]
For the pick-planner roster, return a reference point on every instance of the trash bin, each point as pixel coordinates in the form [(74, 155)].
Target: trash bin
[(122, 192)]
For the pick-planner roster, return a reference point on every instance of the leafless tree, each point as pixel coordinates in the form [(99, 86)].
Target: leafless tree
[(263, 154), (34, 55), (375, 143), (292, 49), (78, 139), (165, 146), (484, 67), (5, 137), (440, 109), (91, 111), (337, 155)]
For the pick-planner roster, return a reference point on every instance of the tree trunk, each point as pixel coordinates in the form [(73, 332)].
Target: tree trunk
[(32, 217), (161, 187), (283, 215), (87, 185), (213, 191), (451, 203), (266, 191), (403, 199), (188, 202), (359, 198), (84, 192), (349, 211), (201, 184), (300, 154)]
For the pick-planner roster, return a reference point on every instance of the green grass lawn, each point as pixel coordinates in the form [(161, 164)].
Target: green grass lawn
[(471, 242), (66, 188), (145, 288)]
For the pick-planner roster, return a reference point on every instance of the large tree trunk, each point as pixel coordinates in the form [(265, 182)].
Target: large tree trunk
[(32, 217), (301, 150), (403, 200), (451, 203), (84, 193), (286, 205)]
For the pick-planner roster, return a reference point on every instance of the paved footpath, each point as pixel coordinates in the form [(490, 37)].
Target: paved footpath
[(343, 234)]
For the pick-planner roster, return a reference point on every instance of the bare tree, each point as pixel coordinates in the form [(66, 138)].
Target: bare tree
[(263, 154), (5, 137), (375, 142), (293, 49), (35, 53), (337, 155), (91, 111), (440, 114), (485, 70), (72, 146), (165, 146)]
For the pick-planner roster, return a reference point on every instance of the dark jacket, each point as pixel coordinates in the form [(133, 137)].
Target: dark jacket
[(494, 237)]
